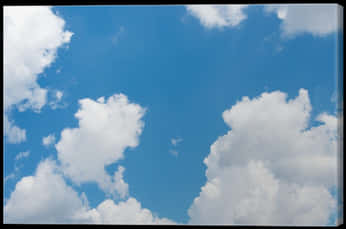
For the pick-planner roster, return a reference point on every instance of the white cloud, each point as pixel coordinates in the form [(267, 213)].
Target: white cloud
[(218, 16), (25, 59), (17, 168), (106, 129), (176, 141), (174, 152), (120, 185), (116, 37), (46, 198), (22, 155), (316, 19), (43, 198), (13, 133), (270, 168), (59, 95), (49, 140), (56, 100), (125, 212)]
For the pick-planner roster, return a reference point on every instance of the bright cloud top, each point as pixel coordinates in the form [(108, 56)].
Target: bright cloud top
[(218, 16), (316, 19), (25, 59), (125, 212), (106, 129), (270, 169)]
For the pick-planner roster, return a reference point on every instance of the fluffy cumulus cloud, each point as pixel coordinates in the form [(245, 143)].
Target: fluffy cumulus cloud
[(46, 198), (218, 16), (125, 212), (43, 198), (106, 128), (316, 19), (25, 59), (271, 167)]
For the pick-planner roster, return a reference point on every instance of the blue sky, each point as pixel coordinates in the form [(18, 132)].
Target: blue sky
[(185, 74)]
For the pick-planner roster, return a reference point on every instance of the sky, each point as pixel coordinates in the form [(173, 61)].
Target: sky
[(196, 114)]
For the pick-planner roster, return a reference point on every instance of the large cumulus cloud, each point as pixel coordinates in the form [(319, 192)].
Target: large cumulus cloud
[(270, 168), (32, 35), (46, 198), (106, 128)]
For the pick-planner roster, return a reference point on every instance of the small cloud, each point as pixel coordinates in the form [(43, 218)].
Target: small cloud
[(56, 102), (174, 153), (49, 140), (176, 141), (218, 16), (116, 37), (58, 71), (15, 173), (22, 155), (59, 95)]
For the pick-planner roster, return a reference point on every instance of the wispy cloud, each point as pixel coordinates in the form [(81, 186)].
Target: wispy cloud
[(174, 152), (22, 155), (116, 37), (176, 141), (49, 140)]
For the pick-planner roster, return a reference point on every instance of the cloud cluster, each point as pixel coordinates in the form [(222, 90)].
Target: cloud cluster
[(316, 19), (270, 168), (218, 16), (106, 129), (25, 59)]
